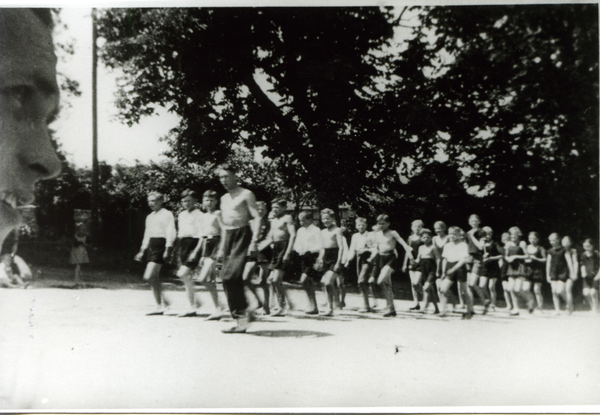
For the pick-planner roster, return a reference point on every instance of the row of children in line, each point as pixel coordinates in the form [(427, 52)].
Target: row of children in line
[(434, 262), (480, 262)]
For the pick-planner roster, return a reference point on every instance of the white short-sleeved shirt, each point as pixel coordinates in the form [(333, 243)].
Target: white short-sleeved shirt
[(308, 239), (189, 223), (455, 252), (160, 224)]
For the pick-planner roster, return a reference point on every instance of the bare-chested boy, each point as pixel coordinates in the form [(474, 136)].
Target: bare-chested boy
[(384, 259), (360, 247), (309, 247), (210, 239), (238, 207), (331, 260), (260, 258), (282, 235)]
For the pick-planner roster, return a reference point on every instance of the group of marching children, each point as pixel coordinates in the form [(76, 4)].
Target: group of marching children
[(475, 262), (435, 261)]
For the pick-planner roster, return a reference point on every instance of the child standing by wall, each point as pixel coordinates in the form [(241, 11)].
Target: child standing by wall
[(79, 254)]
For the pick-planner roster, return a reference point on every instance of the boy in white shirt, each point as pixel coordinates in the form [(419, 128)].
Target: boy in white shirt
[(188, 233), (157, 246), (309, 247), (454, 258)]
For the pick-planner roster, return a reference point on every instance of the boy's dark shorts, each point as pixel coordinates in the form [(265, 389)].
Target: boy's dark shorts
[(211, 247), (330, 259), (460, 275), (307, 261), (279, 248), (187, 246), (428, 268), (156, 250)]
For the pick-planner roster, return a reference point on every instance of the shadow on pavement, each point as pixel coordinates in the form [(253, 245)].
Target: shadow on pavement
[(289, 333)]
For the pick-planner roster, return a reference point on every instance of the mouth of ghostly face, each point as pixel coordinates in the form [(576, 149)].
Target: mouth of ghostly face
[(14, 199)]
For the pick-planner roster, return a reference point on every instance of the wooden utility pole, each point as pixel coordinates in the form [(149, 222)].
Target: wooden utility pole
[(95, 168)]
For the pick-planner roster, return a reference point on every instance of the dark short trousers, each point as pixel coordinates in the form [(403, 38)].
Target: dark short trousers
[(363, 267), (534, 274), (211, 247), (308, 260), (428, 269), (516, 270), (279, 248), (588, 282), (460, 275), (260, 257), (187, 246), (563, 276), (156, 250), (475, 263), (330, 258), (489, 269), (503, 271), (380, 261)]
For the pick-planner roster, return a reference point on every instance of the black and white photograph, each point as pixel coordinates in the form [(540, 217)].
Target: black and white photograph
[(299, 206)]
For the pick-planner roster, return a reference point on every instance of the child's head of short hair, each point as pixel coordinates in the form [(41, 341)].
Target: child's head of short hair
[(361, 220), (210, 194), (327, 212), (474, 216), (456, 232), (156, 195), (383, 218), (505, 236), (487, 230), (304, 215), (515, 230), (190, 193), (279, 202), (426, 231), (228, 167), (440, 224), (417, 225)]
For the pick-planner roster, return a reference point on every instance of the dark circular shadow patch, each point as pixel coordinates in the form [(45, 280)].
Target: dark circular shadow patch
[(289, 333)]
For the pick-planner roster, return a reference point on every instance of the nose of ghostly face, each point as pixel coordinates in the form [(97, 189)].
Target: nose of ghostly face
[(38, 157)]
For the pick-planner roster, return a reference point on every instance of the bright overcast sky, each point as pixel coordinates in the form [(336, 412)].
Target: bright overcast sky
[(117, 143)]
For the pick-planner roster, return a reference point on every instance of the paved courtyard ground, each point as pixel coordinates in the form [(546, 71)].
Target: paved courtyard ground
[(94, 348)]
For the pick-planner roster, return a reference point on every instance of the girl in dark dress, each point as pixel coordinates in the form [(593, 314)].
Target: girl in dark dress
[(589, 261), (534, 267), (515, 255)]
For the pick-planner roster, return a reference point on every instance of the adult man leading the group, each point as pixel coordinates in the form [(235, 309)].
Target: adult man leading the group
[(238, 207)]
